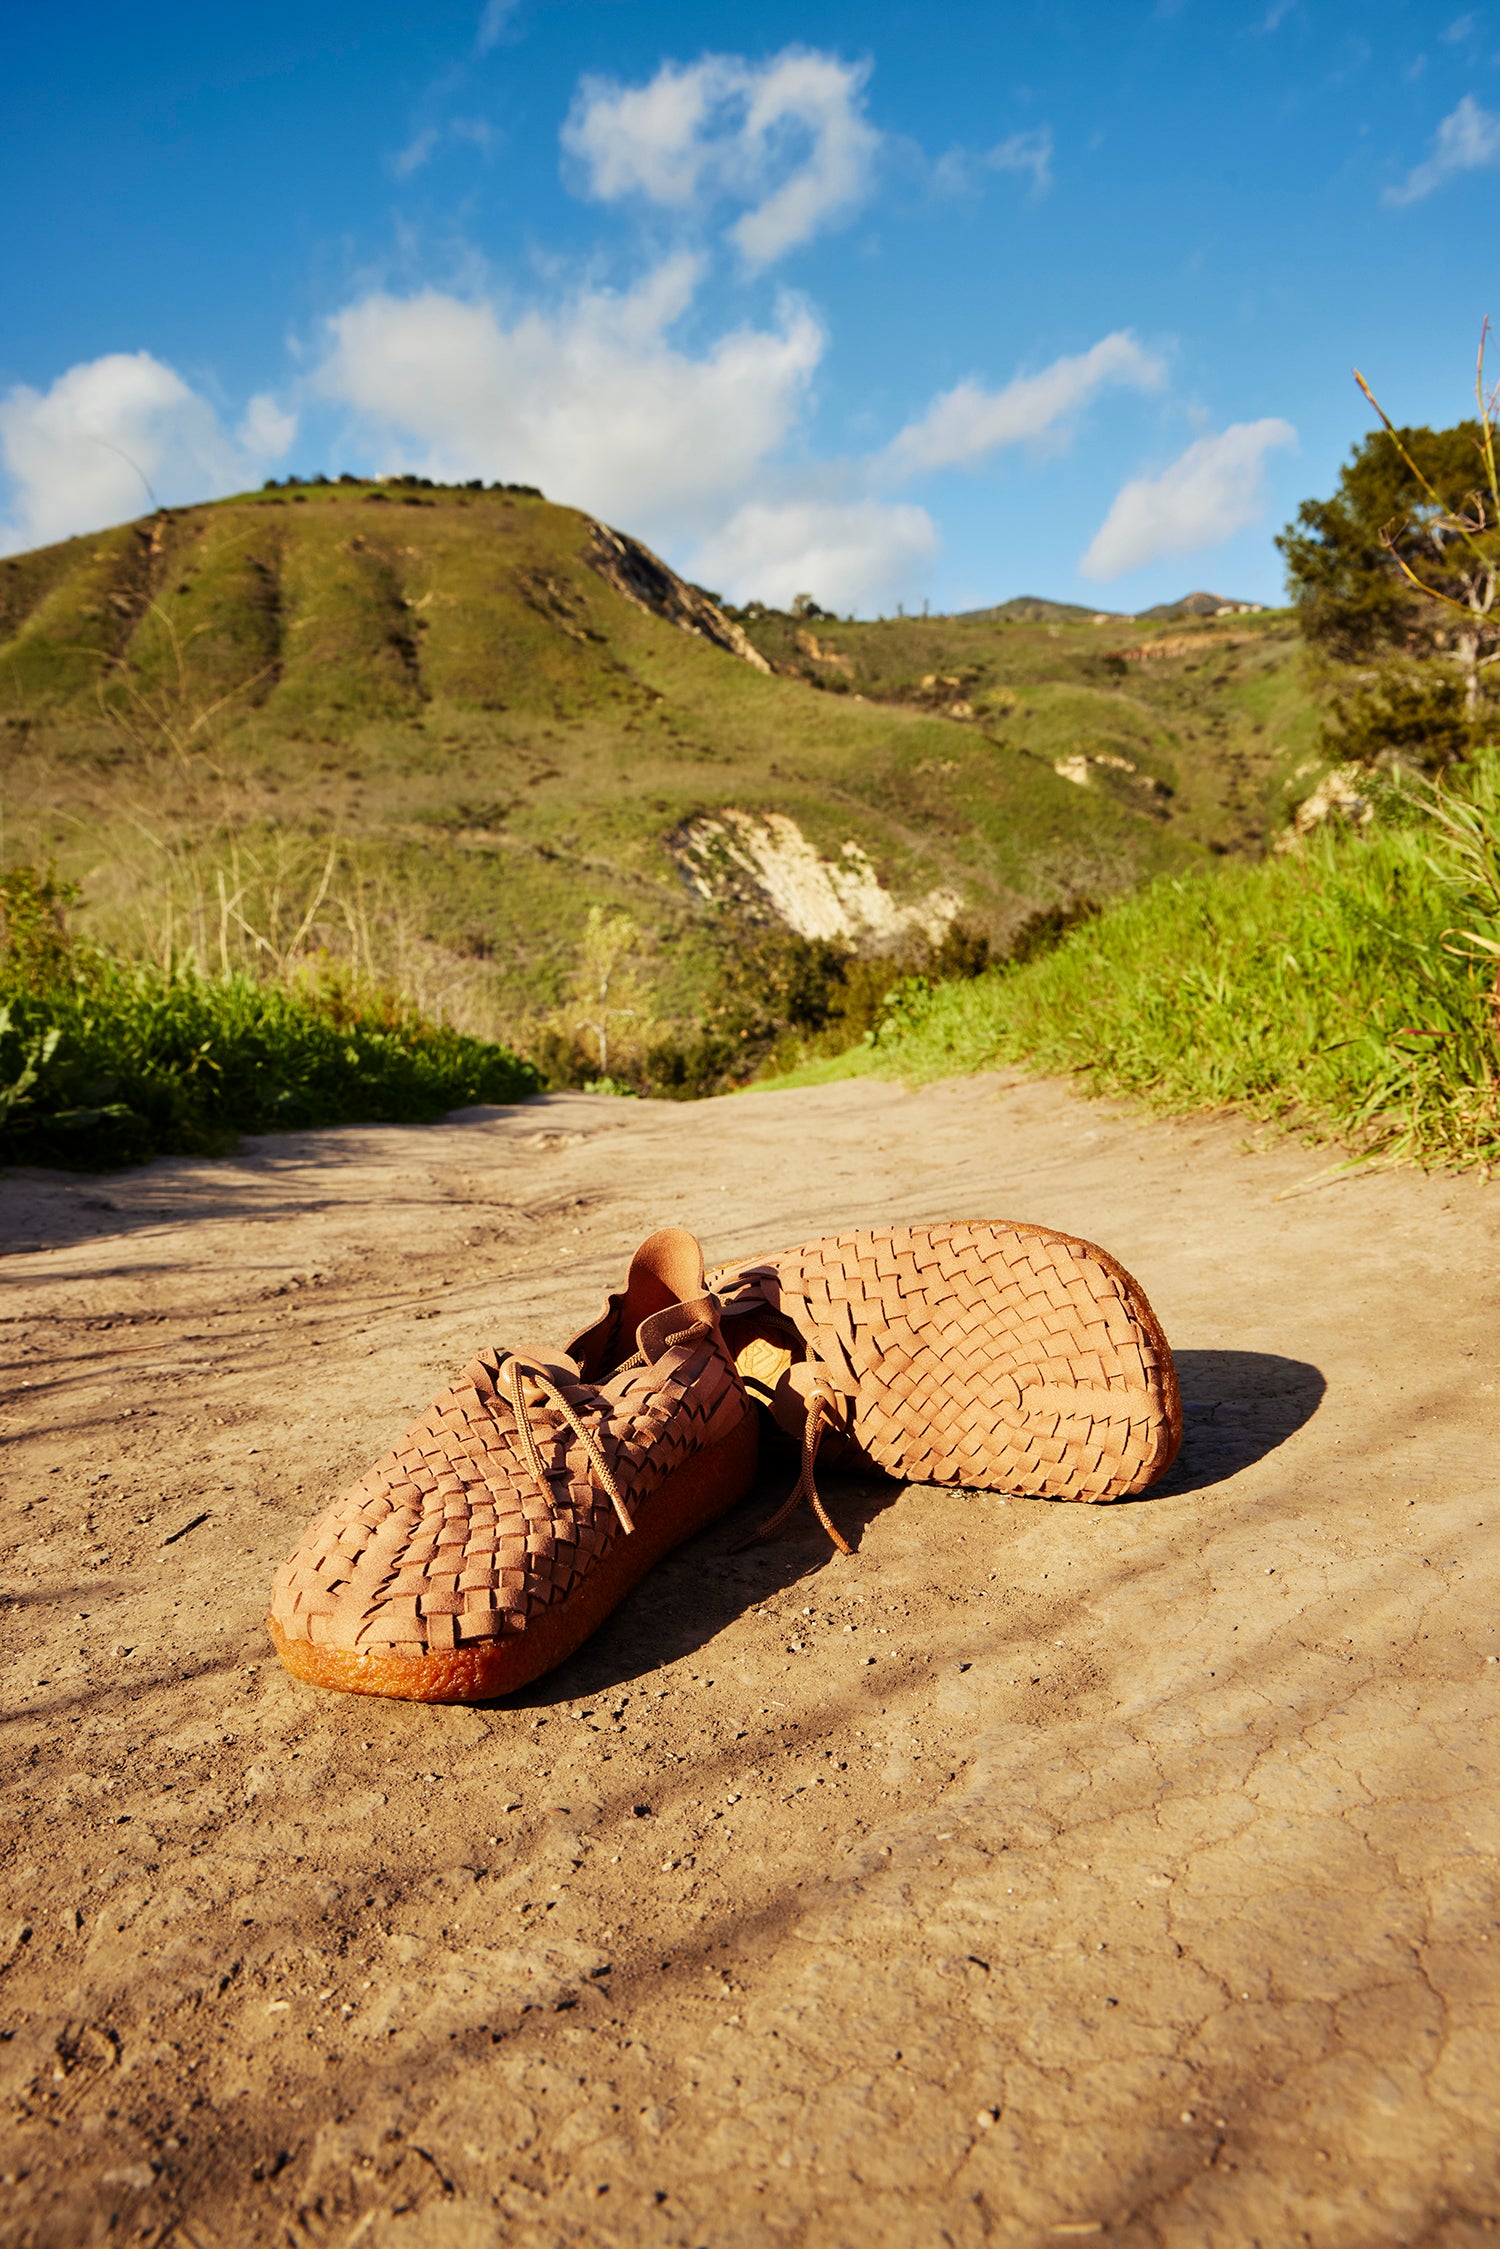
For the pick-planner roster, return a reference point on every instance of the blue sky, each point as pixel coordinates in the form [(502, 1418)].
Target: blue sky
[(887, 303)]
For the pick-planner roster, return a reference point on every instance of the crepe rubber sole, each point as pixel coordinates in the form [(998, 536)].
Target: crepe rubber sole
[(702, 1489)]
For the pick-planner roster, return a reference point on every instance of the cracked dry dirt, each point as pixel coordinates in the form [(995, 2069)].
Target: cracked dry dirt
[(1042, 1872)]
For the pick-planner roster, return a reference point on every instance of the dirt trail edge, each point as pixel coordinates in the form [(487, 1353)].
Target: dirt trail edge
[(1041, 1872)]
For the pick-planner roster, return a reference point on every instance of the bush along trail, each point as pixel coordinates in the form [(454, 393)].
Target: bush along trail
[(105, 1061), (1344, 989)]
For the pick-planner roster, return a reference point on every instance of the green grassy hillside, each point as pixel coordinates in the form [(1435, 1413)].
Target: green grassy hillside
[(1347, 990), (424, 729), (1201, 725)]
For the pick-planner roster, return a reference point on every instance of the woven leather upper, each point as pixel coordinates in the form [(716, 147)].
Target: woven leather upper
[(1003, 1357), (450, 1539)]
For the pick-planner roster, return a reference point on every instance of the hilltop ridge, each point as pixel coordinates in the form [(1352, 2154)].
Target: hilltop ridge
[(495, 712)]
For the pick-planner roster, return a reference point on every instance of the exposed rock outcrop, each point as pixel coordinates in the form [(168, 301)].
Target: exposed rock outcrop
[(644, 578), (1202, 605), (1343, 798), (822, 652), (1182, 644), (763, 866), (1081, 767)]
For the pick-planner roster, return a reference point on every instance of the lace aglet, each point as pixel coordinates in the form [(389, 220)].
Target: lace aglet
[(830, 1526)]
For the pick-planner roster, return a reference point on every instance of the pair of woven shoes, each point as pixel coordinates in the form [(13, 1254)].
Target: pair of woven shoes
[(530, 1498)]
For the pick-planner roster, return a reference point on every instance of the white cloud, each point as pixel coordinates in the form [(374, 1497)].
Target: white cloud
[(787, 136), (652, 140), (854, 554), (267, 430), (1468, 140), (1024, 152), (960, 170), (407, 162), (965, 423), (423, 146), (592, 400), (112, 437), (1213, 490), (595, 402), (820, 95), (494, 17)]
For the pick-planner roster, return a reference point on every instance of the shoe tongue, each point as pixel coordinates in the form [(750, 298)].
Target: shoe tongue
[(666, 1272), (667, 1269)]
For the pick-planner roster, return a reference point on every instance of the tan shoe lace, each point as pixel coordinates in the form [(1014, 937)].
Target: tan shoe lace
[(519, 1369), (821, 1414), (638, 1359), (517, 1372)]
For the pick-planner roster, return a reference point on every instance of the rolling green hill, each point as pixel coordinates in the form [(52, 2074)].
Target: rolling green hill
[(1201, 728), (426, 729)]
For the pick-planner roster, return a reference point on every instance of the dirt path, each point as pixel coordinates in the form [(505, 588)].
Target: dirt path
[(1041, 1872)]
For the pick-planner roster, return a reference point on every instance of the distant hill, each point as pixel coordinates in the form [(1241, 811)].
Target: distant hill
[(1201, 605), (1032, 609), (468, 715)]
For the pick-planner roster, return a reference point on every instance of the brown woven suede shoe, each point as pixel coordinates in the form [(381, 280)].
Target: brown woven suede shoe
[(1001, 1357), (526, 1502)]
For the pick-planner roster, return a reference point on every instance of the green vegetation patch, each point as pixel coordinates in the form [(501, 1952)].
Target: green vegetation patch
[(1344, 990), (211, 629), (436, 695), (72, 624), (490, 738), (104, 1061)]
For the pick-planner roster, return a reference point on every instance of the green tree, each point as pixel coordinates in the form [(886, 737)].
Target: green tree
[(1352, 598), (1406, 715), (608, 998), (1404, 560)]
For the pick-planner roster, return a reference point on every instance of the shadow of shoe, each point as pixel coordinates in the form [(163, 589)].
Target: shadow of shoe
[(1237, 1406), (705, 1584)]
